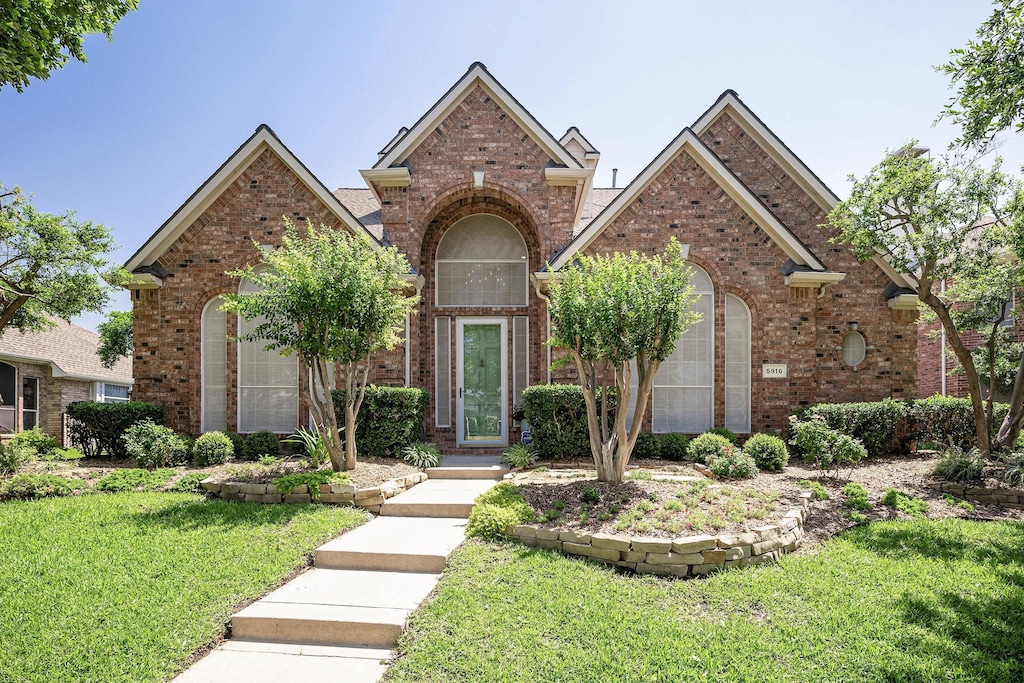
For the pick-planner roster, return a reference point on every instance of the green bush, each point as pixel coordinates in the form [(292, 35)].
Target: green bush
[(152, 445), (38, 486), (907, 504), (96, 428), (36, 438), (856, 497), (422, 455), (212, 448), (947, 420), (732, 463), (497, 509), (707, 445), (557, 415), (824, 447), (726, 432), (768, 451), (819, 492), (237, 444), (673, 446), (646, 446), (15, 456), (1013, 470), (312, 480), (127, 479), (519, 455), (190, 483), (260, 444), (956, 464), (884, 427), (389, 419)]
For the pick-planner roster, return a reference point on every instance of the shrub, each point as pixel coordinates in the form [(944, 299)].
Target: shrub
[(97, 428), (497, 509), (67, 454), (590, 494), (825, 447), (1013, 470), (390, 418), (707, 445), (856, 497), (212, 448), (818, 491), (127, 479), (557, 415), (36, 438), (915, 507), (732, 463), (947, 420), (673, 445), (260, 444), (190, 483), (312, 480), (768, 451), (519, 455), (959, 465), (310, 443), (152, 445), (884, 427), (15, 456), (38, 486), (237, 444), (422, 455), (646, 446), (726, 432)]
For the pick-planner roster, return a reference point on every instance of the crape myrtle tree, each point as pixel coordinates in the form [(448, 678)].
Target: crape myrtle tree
[(958, 229), (333, 299), (607, 311), (51, 266)]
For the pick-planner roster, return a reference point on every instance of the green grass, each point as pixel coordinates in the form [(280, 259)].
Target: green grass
[(892, 601), (124, 587)]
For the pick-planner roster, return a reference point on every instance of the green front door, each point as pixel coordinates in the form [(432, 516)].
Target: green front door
[(482, 382)]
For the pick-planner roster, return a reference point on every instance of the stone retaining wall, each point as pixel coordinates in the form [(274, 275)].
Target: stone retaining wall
[(685, 556), (1010, 498), (338, 494)]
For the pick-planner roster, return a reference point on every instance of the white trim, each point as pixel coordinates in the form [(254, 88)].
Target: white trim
[(567, 177), (477, 75), (145, 281), (262, 140), (59, 373), (405, 345), (904, 302), (804, 278), (574, 135), (687, 142), (460, 325), (387, 177)]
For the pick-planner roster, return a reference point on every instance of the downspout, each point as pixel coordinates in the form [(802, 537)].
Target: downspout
[(538, 287), (942, 353)]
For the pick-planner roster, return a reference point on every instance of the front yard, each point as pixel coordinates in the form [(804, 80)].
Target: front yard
[(125, 587)]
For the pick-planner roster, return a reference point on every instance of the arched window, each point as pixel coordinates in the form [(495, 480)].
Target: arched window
[(684, 387), (9, 396), (214, 342), (737, 364), (268, 383), (482, 261)]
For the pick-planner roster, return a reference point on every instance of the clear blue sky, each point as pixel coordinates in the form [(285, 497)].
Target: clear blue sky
[(126, 138)]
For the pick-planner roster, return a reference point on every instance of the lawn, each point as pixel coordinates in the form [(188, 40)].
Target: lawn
[(915, 600), (124, 587)]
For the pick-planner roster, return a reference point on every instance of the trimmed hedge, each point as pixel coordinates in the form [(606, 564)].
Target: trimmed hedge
[(557, 415), (97, 428), (945, 420), (390, 419)]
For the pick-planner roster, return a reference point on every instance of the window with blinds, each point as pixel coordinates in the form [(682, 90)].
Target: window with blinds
[(268, 383), (213, 340), (482, 261), (443, 371), (737, 364)]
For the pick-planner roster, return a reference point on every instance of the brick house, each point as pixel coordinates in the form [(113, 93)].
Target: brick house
[(42, 372), (488, 205)]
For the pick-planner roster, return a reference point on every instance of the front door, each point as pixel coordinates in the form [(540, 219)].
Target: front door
[(481, 382)]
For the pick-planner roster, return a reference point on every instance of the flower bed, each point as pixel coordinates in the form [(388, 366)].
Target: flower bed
[(370, 498)]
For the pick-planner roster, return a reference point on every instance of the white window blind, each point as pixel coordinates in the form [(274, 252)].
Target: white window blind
[(482, 261), (737, 365), (213, 340), (520, 357), (268, 384), (443, 371)]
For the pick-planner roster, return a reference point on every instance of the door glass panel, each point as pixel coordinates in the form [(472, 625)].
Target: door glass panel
[(481, 366)]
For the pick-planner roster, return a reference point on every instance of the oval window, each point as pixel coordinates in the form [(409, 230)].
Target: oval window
[(854, 349)]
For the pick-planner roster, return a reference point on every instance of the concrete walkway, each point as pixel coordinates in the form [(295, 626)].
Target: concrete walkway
[(341, 619)]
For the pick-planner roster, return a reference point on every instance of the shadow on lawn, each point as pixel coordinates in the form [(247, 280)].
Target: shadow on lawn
[(219, 513), (939, 541)]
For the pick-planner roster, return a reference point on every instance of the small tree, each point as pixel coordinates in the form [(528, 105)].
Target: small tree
[(331, 298), (607, 311), (50, 266), (958, 230), (115, 337)]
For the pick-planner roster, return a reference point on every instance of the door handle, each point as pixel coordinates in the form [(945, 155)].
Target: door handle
[(460, 392)]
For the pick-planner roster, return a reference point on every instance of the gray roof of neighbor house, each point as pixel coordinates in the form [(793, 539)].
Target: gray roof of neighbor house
[(69, 349)]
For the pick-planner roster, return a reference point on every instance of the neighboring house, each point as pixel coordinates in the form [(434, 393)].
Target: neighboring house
[(488, 205), (41, 373)]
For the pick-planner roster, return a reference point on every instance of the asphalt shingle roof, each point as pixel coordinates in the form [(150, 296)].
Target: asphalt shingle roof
[(70, 347)]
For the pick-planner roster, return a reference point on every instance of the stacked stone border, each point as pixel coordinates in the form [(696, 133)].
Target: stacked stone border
[(1010, 498), (685, 556), (338, 494)]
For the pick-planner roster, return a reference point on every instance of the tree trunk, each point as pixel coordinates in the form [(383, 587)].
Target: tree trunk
[(325, 417), (1010, 429)]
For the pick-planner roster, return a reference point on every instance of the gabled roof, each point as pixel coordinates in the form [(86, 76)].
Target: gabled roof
[(574, 134), (264, 138), (68, 349), (731, 104), (689, 143), (397, 151)]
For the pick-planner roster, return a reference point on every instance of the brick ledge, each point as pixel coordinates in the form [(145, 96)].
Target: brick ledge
[(336, 494)]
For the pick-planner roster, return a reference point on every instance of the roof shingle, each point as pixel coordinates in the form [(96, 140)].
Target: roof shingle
[(70, 347)]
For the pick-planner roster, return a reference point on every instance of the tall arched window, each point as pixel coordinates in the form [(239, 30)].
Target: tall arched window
[(684, 387), (214, 342), (268, 383), (737, 364), (482, 261)]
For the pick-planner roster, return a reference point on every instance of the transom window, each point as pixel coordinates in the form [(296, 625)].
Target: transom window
[(482, 261)]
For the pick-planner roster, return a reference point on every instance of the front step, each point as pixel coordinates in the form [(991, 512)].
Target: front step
[(260, 662), (395, 544), (322, 624), (437, 498), (491, 473)]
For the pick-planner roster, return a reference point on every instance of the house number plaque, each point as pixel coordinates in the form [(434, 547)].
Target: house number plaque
[(774, 370)]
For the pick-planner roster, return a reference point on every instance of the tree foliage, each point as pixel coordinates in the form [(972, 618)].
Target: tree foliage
[(38, 36), (607, 311), (331, 298), (51, 266), (115, 337), (958, 230), (988, 76)]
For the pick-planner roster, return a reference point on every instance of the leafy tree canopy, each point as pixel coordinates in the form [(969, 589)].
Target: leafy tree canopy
[(38, 36), (115, 337), (51, 266)]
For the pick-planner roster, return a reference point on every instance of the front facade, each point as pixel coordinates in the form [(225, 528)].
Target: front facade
[(487, 206)]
